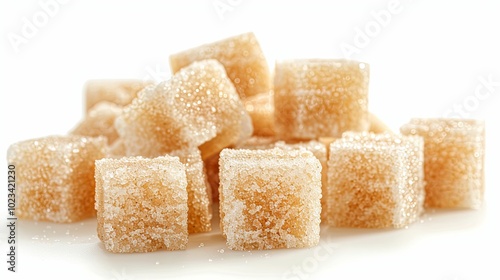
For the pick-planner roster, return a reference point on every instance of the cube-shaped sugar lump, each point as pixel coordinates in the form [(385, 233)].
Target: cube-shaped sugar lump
[(375, 181), (100, 121), (55, 177), (454, 161), (118, 92), (198, 189), (197, 107), (270, 198), (141, 204), (320, 98), (242, 58), (260, 107)]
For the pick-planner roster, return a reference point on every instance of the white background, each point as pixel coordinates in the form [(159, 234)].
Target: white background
[(427, 60)]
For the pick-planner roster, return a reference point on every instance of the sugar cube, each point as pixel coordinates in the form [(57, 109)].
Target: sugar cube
[(141, 204), (198, 189), (375, 180), (320, 98), (119, 92), (55, 177), (270, 198), (242, 58), (261, 110), (99, 121), (454, 161), (197, 107)]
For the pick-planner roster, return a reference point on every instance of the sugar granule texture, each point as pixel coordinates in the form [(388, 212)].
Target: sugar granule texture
[(100, 121), (55, 177), (242, 58), (198, 189), (197, 107), (375, 181), (270, 198), (454, 161), (141, 204), (320, 98)]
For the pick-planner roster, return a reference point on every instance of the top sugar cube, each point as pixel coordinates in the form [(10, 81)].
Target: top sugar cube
[(198, 106), (242, 58), (320, 98)]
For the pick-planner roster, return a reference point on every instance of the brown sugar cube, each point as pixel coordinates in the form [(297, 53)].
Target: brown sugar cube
[(197, 107), (375, 181), (141, 204), (55, 177), (270, 198), (119, 92), (454, 161), (320, 98), (117, 149), (377, 125), (261, 109), (99, 121), (242, 58), (212, 171), (198, 189)]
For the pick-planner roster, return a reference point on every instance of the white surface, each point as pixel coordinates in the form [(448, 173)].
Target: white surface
[(427, 59)]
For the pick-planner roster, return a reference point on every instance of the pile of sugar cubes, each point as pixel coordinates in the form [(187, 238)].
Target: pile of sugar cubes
[(279, 157)]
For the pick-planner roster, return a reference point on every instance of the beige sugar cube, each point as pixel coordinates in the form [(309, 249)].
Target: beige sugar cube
[(198, 189), (100, 121), (375, 181), (270, 198), (117, 149), (260, 107), (197, 107), (119, 92), (320, 98), (377, 125), (454, 161), (242, 58), (55, 177), (212, 171), (142, 204)]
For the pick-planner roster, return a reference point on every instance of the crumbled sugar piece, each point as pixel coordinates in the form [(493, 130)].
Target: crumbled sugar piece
[(320, 98), (198, 189), (198, 107), (242, 58), (454, 161), (375, 180), (376, 125), (119, 92), (270, 198), (261, 109), (99, 121), (141, 204), (55, 177)]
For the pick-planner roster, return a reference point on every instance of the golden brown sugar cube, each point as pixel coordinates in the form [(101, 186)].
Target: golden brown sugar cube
[(197, 107), (270, 198), (242, 58), (454, 161), (141, 204), (55, 177), (261, 109), (100, 121), (320, 98), (375, 181), (117, 149), (119, 92), (198, 189), (377, 125)]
